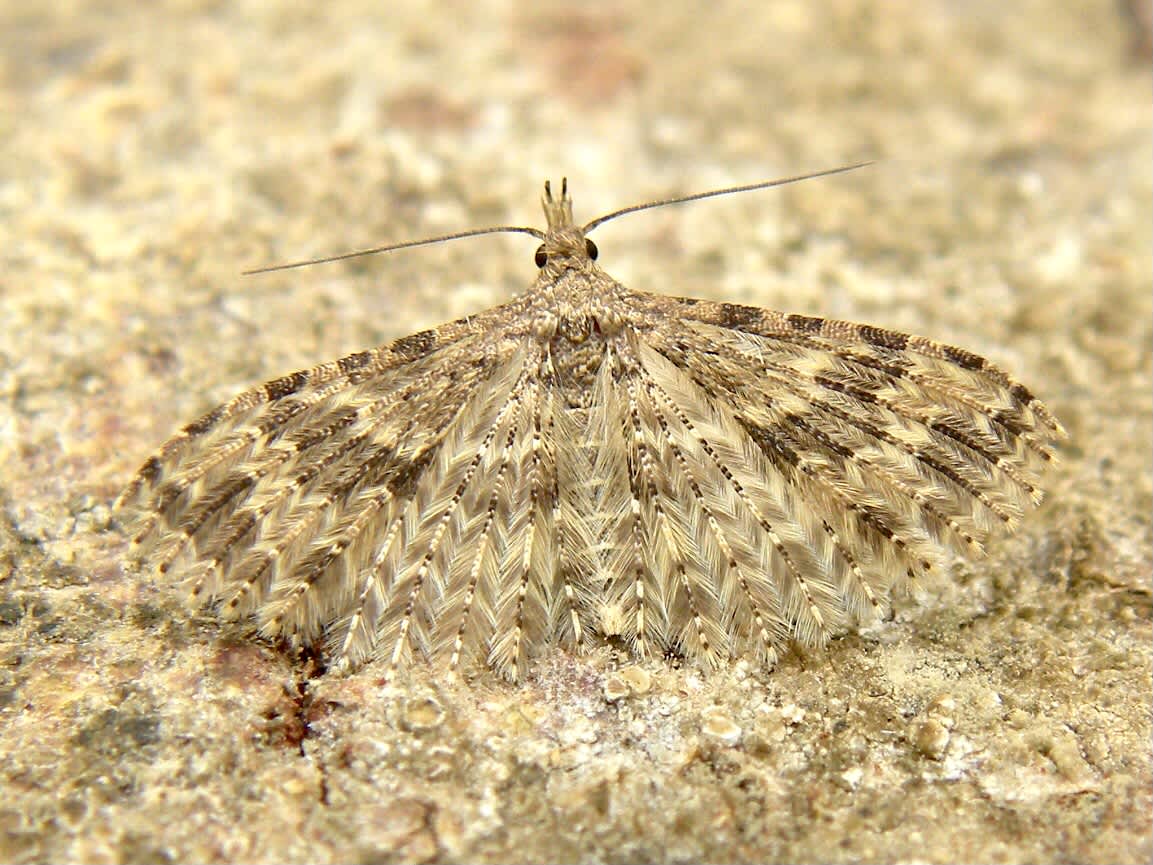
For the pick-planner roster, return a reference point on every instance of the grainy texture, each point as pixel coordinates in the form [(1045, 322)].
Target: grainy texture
[(591, 463), (149, 153)]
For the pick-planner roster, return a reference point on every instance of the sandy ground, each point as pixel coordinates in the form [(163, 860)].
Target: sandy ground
[(148, 154)]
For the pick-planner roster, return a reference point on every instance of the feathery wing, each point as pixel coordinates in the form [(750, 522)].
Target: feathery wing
[(697, 478), (331, 502)]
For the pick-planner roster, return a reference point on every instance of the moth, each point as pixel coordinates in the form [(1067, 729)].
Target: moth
[(587, 463)]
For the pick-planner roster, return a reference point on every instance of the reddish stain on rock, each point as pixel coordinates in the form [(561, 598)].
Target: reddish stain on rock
[(586, 55)]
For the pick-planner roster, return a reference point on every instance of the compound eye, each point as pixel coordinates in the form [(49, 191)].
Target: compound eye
[(591, 249), (541, 257)]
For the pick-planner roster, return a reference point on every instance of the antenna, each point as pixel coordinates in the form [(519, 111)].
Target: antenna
[(540, 235), (601, 220)]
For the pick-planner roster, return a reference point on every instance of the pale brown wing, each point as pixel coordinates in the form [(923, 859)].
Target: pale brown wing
[(291, 500), (898, 443), (709, 480), (703, 548)]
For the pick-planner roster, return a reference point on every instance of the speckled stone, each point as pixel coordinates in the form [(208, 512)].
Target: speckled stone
[(151, 152)]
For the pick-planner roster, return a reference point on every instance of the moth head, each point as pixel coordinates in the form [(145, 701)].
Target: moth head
[(564, 240)]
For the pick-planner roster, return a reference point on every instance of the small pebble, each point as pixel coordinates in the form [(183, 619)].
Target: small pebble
[(628, 681), (719, 727), (931, 739), (792, 714), (616, 687), (638, 679), (851, 778), (422, 713)]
